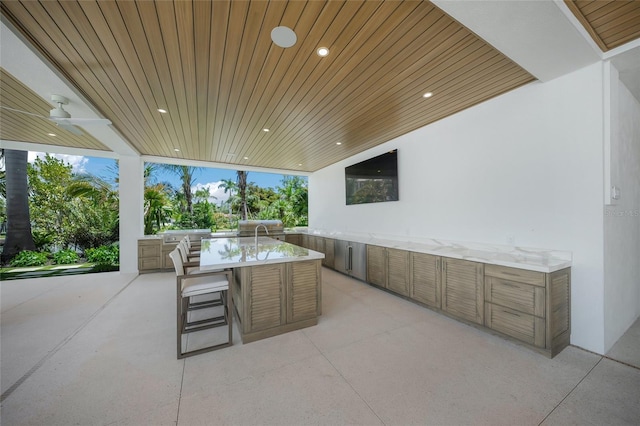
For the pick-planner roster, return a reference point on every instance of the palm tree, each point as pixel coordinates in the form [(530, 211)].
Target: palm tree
[(242, 192), (19, 235), (229, 186), (186, 175), (157, 208)]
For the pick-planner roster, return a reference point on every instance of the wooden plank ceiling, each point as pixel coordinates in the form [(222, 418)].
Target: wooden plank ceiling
[(611, 23), (213, 67), (22, 127)]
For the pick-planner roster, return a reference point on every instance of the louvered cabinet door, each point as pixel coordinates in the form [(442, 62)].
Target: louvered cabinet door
[(376, 265), (266, 301), (398, 271), (329, 253), (425, 279), (463, 289), (303, 296), (559, 310)]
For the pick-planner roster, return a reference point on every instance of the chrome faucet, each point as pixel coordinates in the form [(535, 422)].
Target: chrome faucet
[(265, 230)]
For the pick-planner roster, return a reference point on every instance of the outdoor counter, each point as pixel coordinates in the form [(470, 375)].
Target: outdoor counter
[(276, 285)]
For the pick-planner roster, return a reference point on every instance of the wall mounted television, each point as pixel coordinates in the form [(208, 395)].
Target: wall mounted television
[(374, 180)]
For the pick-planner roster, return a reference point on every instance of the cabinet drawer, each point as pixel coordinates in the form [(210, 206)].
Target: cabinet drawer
[(521, 297), (515, 274), (148, 263), (148, 251), (527, 328)]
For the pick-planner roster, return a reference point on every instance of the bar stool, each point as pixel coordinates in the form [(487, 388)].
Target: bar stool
[(199, 284)]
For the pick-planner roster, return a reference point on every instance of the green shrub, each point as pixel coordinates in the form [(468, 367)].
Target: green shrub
[(103, 255), (64, 257), (29, 258)]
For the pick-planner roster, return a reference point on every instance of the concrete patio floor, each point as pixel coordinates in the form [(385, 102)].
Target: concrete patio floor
[(100, 350)]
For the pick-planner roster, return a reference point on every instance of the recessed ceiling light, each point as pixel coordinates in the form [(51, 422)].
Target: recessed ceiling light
[(322, 51), (51, 134), (427, 95), (265, 130), (176, 149), (338, 143), (283, 36), (299, 164), (246, 158), (163, 111)]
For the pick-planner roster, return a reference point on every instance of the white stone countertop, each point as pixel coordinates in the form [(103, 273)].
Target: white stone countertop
[(218, 253), (532, 259)]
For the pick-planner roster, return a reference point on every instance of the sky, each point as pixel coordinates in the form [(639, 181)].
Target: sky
[(211, 177)]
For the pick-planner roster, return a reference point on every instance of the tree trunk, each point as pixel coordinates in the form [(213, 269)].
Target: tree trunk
[(242, 192), (18, 220)]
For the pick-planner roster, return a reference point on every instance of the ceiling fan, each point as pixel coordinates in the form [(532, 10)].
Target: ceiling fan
[(62, 118)]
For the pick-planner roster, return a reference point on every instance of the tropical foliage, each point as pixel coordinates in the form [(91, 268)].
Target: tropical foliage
[(166, 207), (52, 214)]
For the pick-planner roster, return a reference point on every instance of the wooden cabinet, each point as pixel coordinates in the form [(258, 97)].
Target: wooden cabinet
[(293, 239), (167, 248), (329, 253), (316, 243), (303, 295), (533, 307), (463, 289), (377, 265), (388, 268), (277, 298), (425, 283), (398, 271), (149, 254), (265, 296)]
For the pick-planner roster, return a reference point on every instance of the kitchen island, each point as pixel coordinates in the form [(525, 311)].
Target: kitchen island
[(276, 285)]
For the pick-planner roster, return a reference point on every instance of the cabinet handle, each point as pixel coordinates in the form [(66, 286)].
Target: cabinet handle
[(511, 313)]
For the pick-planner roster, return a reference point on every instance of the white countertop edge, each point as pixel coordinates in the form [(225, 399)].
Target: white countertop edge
[(532, 259), (263, 241)]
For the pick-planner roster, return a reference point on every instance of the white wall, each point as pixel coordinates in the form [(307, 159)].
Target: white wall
[(622, 221), (526, 165)]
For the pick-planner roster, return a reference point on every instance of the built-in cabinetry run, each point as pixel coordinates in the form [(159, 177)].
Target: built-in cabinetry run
[(389, 268), (153, 251), (329, 253), (149, 254), (277, 298), (462, 289), (425, 279), (293, 239), (316, 243), (530, 306)]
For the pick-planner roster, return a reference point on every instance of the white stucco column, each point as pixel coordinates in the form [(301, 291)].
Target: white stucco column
[(131, 187)]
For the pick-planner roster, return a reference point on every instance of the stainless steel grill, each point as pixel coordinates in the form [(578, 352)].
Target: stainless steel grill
[(174, 236), (247, 228)]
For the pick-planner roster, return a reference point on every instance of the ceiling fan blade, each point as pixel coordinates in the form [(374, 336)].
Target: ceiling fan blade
[(22, 112), (70, 128), (82, 121)]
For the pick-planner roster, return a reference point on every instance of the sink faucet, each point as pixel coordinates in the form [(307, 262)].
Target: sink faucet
[(265, 230)]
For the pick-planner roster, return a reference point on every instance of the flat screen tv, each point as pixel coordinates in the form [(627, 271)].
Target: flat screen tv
[(374, 180)]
